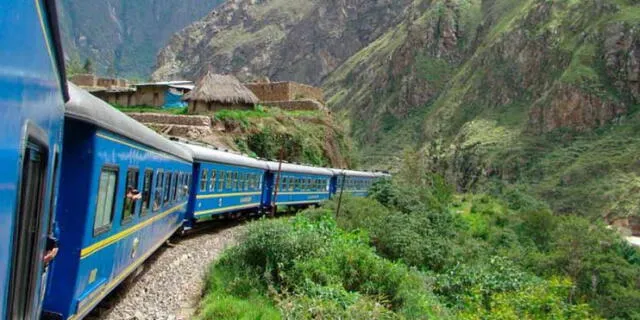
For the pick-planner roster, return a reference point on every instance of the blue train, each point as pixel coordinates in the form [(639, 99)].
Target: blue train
[(32, 81), (127, 189), (87, 194)]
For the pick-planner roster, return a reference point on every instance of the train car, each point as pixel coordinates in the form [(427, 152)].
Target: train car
[(32, 109), (355, 183), (298, 185), (224, 184), (124, 192)]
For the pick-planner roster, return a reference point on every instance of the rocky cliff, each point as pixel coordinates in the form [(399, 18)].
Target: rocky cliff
[(299, 40), (123, 37)]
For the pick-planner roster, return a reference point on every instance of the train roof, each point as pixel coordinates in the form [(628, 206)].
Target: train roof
[(297, 168), (85, 107), (353, 173), (203, 153)]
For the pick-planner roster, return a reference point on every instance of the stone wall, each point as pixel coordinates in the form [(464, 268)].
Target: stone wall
[(285, 91), (298, 105), (275, 91), (84, 80), (163, 118), (300, 91), (196, 107)]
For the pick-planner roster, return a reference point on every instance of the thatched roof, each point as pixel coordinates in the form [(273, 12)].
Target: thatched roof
[(221, 88)]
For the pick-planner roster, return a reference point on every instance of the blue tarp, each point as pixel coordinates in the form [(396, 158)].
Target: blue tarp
[(173, 99)]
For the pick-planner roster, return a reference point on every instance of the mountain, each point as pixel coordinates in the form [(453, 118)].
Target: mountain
[(531, 97), (122, 38), (299, 40), (535, 99)]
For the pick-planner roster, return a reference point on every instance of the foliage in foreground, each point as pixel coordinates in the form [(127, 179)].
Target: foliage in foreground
[(312, 269), (420, 251)]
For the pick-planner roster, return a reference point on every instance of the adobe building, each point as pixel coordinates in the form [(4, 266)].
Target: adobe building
[(216, 92), (166, 94)]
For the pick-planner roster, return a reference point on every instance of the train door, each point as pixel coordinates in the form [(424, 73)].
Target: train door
[(26, 255)]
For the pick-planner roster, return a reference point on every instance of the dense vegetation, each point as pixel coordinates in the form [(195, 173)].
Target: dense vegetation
[(310, 137), (417, 250)]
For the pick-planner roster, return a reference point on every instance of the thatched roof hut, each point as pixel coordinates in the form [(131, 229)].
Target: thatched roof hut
[(215, 92)]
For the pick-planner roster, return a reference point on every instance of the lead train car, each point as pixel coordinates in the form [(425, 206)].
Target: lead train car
[(105, 236), (31, 108), (224, 183)]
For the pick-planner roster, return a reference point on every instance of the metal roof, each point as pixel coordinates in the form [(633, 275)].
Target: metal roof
[(203, 153), (166, 83), (296, 168), (183, 86), (85, 107)]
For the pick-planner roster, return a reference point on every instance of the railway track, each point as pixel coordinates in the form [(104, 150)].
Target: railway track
[(170, 283)]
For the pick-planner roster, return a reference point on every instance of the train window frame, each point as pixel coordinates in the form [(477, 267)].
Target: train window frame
[(227, 180), (104, 228), (174, 186), (158, 191), (179, 184), (245, 184), (124, 218), (221, 177), (212, 180), (234, 180), (204, 175), (146, 192), (167, 187)]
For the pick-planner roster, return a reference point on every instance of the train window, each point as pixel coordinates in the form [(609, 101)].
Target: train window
[(203, 180), (174, 187), (167, 186), (106, 200), (227, 180), (234, 180), (212, 182), (146, 191), (180, 186), (245, 178), (157, 195), (30, 211), (129, 206), (221, 175)]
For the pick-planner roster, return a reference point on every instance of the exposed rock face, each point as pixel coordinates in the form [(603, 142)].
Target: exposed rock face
[(123, 37), (301, 40)]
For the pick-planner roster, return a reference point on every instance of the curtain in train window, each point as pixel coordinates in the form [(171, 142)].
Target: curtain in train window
[(146, 191), (106, 199), (157, 195), (203, 180), (212, 182)]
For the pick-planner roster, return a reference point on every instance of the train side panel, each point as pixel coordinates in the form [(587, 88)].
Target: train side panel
[(116, 234), (301, 189), (222, 189), (31, 108)]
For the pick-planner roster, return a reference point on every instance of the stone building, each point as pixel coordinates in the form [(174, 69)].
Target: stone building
[(216, 92)]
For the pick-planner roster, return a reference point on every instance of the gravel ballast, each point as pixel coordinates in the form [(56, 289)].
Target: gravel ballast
[(171, 284)]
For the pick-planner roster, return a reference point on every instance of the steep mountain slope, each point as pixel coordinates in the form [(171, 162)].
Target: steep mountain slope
[(123, 37), (300, 40), (539, 94)]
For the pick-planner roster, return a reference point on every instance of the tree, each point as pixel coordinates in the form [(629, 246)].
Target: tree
[(88, 66)]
